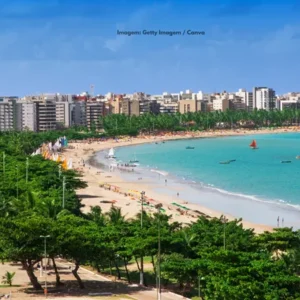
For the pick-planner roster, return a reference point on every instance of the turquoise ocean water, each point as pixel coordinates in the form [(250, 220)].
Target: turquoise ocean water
[(256, 175)]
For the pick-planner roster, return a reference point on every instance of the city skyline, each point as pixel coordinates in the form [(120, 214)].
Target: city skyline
[(68, 45)]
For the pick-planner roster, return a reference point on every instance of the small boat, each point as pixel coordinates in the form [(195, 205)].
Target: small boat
[(286, 161), (189, 147), (111, 153), (227, 162), (232, 160), (253, 145), (298, 157), (134, 160)]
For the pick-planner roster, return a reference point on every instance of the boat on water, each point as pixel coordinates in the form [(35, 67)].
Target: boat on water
[(286, 161), (111, 153), (253, 145), (134, 160), (227, 162), (189, 147)]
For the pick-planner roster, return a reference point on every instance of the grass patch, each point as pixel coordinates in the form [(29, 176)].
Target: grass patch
[(9, 286), (147, 259)]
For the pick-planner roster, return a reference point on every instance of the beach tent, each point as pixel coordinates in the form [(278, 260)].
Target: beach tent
[(65, 164)]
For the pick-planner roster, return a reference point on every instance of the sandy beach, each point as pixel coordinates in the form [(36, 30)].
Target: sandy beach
[(106, 188)]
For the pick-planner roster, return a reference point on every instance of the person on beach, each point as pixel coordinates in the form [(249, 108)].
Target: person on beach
[(282, 222), (177, 194), (278, 221), (166, 181)]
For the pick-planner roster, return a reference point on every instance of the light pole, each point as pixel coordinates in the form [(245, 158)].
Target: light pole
[(64, 186), (17, 170), (59, 171), (3, 165), (158, 207), (27, 165), (45, 268), (142, 258), (142, 207), (224, 233), (199, 285)]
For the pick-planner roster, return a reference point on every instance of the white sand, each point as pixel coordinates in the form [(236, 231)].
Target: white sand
[(94, 193)]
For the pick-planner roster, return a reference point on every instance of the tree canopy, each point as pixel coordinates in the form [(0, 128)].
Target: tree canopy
[(227, 260)]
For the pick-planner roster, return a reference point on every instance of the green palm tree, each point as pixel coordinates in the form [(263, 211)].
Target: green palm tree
[(8, 278), (115, 215)]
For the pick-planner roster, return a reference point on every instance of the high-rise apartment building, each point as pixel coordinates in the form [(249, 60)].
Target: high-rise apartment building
[(130, 107), (8, 114), (27, 115), (63, 114), (190, 105), (94, 110), (148, 106), (78, 113), (221, 104), (45, 112), (46, 115), (264, 98)]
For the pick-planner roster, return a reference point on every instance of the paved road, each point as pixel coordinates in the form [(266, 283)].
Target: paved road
[(138, 295), (108, 285), (152, 295), (83, 273)]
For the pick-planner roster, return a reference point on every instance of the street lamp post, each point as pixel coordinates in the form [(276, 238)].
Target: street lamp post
[(3, 165), (142, 258), (64, 186), (199, 285), (224, 232), (59, 171), (17, 169), (27, 165), (45, 267), (142, 207), (158, 207)]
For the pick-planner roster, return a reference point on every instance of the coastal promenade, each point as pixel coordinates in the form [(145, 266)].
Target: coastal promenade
[(106, 288)]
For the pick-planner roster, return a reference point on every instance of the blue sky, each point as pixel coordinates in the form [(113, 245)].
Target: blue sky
[(67, 45)]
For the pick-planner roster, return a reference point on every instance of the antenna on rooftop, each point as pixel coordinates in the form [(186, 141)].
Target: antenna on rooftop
[(92, 90)]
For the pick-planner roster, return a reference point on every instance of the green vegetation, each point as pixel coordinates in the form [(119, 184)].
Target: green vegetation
[(222, 260), (121, 125), (8, 278)]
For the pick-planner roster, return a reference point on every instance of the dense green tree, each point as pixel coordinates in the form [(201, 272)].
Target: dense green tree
[(232, 262), (20, 241)]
